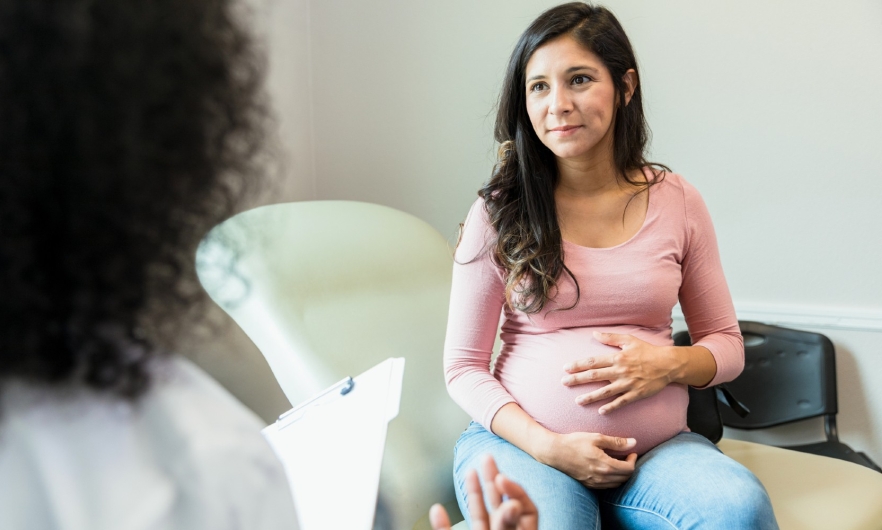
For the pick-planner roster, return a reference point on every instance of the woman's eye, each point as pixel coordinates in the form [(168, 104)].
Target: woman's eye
[(581, 79), (537, 87)]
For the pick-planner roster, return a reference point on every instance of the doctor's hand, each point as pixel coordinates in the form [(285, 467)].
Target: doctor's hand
[(639, 370), (515, 513)]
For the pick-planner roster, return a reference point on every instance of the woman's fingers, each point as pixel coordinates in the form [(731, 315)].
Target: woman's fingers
[(613, 478), (614, 443), (613, 472), (605, 392), (438, 518), (614, 339), (606, 482), (609, 478), (621, 401), (489, 473), (590, 363), (590, 376)]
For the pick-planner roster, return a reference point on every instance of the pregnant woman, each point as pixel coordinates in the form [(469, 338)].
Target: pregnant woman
[(583, 248)]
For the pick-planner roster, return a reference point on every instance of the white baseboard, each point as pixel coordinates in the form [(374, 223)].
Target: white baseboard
[(807, 316)]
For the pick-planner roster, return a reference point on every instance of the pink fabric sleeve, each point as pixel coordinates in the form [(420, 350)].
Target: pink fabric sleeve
[(476, 298), (704, 295)]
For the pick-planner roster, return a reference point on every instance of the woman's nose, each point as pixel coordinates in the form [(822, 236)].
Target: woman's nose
[(561, 103)]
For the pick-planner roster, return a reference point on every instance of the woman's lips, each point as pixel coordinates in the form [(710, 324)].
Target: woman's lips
[(565, 130)]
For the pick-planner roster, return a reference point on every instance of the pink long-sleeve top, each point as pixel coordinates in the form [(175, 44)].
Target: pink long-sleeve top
[(630, 288)]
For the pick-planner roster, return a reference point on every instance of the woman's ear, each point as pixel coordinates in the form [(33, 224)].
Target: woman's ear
[(630, 79)]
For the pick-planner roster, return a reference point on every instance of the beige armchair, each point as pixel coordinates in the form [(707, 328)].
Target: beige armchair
[(328, 289)]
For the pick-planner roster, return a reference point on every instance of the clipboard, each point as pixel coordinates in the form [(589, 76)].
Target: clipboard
[(331, 447)]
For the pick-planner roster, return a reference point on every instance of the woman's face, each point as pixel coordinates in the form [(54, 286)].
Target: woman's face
[(571, 99)]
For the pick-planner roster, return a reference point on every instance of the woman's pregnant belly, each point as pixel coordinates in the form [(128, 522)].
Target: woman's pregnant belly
[(530, 367)]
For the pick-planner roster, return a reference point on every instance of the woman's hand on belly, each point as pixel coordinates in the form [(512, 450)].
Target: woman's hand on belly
[(638, 371), (581, 455)]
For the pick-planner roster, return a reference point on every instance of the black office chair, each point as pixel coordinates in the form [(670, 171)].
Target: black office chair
[(789, 375)]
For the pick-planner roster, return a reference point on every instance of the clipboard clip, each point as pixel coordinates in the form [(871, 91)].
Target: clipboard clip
[(342, 387)]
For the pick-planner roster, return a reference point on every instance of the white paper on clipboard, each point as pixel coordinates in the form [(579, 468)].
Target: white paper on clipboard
[(332, 448)]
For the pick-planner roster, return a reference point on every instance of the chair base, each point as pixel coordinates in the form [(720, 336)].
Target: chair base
[(836, 450)]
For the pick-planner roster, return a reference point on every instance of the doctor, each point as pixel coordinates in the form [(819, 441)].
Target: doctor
[(129, 128)]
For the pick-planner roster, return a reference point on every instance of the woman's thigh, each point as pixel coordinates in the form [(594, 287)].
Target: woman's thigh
[(687, 483), (563, 503)]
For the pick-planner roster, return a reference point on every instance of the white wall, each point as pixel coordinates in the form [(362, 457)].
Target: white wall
[(770, 108), (403, 98), (283, 29)]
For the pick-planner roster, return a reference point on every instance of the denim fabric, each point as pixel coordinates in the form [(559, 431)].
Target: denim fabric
[(684, 483)]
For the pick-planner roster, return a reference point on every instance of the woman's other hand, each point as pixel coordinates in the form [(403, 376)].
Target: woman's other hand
[(639, 370), (517, 512), (582, 456)]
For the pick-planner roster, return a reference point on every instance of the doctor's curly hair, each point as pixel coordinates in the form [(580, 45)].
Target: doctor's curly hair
[(128, 128)]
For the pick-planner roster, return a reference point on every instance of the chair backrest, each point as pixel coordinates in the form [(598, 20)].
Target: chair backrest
[(789, 375), (327, 289)]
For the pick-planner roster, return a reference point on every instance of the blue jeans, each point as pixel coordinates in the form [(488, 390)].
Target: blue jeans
[(684, 483)]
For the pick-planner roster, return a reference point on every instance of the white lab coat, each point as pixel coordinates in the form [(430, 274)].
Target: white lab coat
[(186, 456)]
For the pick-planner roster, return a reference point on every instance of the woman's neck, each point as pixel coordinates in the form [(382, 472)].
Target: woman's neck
[(587, 176)]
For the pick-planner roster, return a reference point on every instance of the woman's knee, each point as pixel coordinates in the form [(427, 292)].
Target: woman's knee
[(690, 483), (738, 502), (729, 496), (743, 501), (735, 495)]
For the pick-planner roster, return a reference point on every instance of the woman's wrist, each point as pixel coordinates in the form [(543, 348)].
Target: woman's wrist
[(542, 446), (514, 425), (678, 362), (691, 365)]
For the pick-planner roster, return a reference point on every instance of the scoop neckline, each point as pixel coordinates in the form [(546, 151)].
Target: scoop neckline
[(646, 219)]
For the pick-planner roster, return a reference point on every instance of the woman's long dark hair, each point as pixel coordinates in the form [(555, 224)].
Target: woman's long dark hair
[(127, 130), (519, 197)]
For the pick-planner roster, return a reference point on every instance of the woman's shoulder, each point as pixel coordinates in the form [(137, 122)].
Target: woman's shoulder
[(476, 230), (477, 212), (674, 185)]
